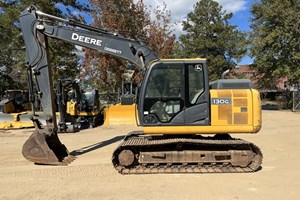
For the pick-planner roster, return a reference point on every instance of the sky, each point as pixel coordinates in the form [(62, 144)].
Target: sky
[(180, 8), (239, 8)]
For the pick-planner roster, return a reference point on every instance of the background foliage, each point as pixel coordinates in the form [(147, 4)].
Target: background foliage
[(275, 41), (63, 58), (209, 35), (132, 20)]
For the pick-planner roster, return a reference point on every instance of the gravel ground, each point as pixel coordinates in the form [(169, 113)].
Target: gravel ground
[(92, 176)]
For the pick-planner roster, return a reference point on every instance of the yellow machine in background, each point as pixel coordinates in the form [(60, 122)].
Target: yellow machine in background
[(77, 108), (15, 101), (124, 112), (120, 114), (87, 109), (13, 110)]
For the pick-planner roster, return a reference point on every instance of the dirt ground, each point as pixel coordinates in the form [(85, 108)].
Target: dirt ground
[(92, 176)]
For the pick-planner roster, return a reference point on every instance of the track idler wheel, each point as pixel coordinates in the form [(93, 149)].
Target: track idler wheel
[(45, 148), (126, 158)]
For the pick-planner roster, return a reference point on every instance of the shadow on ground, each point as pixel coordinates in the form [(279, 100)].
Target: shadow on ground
[(96, 146)]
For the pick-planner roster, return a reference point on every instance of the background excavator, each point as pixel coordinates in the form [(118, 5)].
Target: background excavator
[(176, 106), (15, 101), (77, 108), (13, 110)]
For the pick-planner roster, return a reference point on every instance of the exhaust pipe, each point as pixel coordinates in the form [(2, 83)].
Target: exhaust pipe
[(224, 74)]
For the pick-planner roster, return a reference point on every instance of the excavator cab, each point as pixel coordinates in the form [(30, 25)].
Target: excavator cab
[(89, 101), (175, 93), (89, 108)]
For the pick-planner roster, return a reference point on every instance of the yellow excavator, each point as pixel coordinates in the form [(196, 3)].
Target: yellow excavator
[(186, 121), (13, 110), (77, 108)]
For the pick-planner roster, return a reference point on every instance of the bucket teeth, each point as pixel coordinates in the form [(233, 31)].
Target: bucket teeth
[(69, 159)]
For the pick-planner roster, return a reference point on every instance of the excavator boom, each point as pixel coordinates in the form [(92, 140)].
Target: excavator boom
[(44, 146)]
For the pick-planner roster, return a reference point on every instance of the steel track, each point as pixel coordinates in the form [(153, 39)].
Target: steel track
[(137, 142)]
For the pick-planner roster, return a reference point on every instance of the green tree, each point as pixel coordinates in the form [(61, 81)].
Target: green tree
[(12, 53), (209, 35), (275, 41), (132, 20)]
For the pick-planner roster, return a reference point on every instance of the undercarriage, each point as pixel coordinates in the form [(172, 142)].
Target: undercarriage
[(142, 154)]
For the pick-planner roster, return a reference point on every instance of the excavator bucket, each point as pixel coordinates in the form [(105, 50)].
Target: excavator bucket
[(120, 115), (15, 121), (41, 148)]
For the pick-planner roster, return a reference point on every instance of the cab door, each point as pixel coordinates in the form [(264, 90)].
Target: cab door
[(174, 92), (196, 110)]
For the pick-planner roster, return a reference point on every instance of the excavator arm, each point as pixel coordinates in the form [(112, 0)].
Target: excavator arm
[(44, 147)]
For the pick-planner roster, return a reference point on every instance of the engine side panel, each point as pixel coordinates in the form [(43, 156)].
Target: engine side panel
[(234, 107), (232, 111)]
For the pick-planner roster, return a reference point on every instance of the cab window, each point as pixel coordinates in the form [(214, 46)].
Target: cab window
[(196, 82), (163, 92)]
